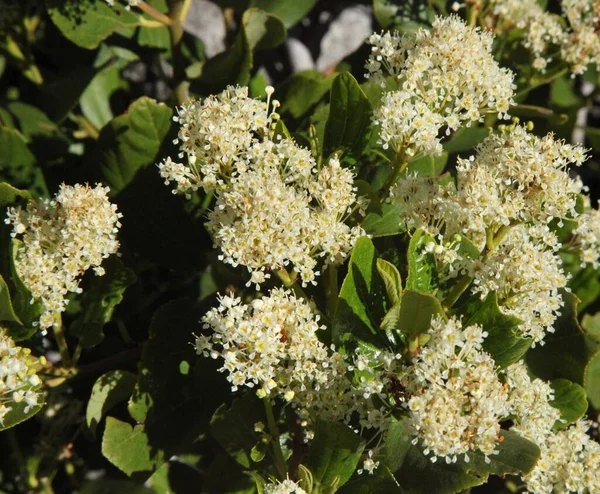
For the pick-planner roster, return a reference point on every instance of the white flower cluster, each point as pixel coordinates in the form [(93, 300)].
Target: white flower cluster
[(570, 458), (446, 78), (526, 277), (61, 239), (569, 462), (503, 201), (586, 237), (274, 204), (272, 343), (582, 44), (541, 31), (457, 398), (286, 487), (18, 380), (533, 416)]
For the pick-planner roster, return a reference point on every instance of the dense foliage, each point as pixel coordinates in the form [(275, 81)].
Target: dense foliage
[(381, 277)]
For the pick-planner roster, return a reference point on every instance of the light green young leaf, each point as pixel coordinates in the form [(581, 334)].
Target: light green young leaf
[(421, 265), (392, 280)]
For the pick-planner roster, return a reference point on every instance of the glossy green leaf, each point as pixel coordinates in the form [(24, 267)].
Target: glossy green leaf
[(362, 295), (99, 301), (233, 427), (348, 126), (591, 380), (562, 93), (17, 414), (427, 166), (416, 311), (29, 313), (504, 342), (570, 399), (264, 31), (334, 454), (95, 100), (289, 11), (567, 351), (129, 448), (109, 389), (86, 22), (465, 139), (18, 165), (7, 312), (302, 91), (163, 392), (516, 455), (132, 141)]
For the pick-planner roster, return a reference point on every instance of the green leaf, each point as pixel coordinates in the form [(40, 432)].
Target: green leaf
[(392, 280), (87, 23), (168, 402), (17, 414), (427, 166), (591, 380), (7, 312), (109, 389), (421, 265), (129, 448), (566, 352), (385, 224), (264, 31), (29, 313), (63, 93), (516, 456), (302, 91), (233, 427), (397, 444), (562, 93), (361, 300), (419, 475), (95, 100), (585, 284), (591, 325), (465, 139), (18, 163), (504, 341), (570, 399), (132, 141), (415, 472), (289, 11), (416, 311), (334, 454), (99, 301), (349, 123)]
